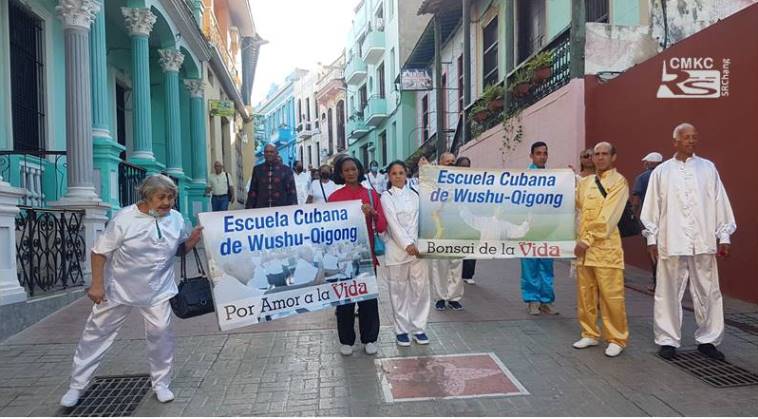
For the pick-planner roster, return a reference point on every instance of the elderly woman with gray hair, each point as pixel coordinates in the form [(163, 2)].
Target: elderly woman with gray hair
[(133, 267)]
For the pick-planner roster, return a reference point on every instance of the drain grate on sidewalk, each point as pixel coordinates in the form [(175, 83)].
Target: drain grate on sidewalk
[(117, 395), (717, 373)]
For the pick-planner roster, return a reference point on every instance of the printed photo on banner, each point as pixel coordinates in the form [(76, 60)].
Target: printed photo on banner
[(275, 262), (496, 213)]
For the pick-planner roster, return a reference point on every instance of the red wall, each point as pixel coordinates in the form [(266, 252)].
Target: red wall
[(625, 111)]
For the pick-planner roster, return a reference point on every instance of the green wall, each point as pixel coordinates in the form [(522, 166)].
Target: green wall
[(625, 12), (558, 16)]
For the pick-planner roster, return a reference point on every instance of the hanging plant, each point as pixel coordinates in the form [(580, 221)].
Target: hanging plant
[(513, 133), (541, 66), (479, 113)]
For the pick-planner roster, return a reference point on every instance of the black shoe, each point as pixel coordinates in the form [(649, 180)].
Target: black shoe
[(667, 352), (455, 305), (440, 305), (710, 351)]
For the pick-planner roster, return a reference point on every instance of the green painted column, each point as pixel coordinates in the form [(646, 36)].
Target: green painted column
[(198, 202), (140, 22), (105, 150), (171, 61)]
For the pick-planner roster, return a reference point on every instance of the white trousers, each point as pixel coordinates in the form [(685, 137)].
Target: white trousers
[(409, 296), (101, 330), (447, 279), (672, 275)]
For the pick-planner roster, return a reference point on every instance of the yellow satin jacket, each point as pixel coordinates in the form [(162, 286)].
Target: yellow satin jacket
[(599, 217)]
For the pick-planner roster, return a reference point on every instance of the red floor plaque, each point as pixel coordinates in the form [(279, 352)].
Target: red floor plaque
[(446, 377)]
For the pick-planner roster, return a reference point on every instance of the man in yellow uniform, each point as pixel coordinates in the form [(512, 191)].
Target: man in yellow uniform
[(600, 200)]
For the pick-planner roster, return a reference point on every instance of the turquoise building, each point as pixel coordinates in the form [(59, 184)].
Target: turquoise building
[(381, 119), (97, 94), (278, 116)]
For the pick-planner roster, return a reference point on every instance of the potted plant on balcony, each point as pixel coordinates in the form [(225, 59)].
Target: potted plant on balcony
[(521, 83), (493, 97), (479, 112), (541, 66)]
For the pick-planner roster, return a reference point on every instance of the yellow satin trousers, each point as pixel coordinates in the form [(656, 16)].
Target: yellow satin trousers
[(602, 288)]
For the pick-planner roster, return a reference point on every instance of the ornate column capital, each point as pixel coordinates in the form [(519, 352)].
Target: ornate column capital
[(139, 21), (78, 14), (196, 87), (170, 59)]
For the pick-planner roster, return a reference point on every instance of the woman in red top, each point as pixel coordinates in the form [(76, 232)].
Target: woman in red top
[(349, 172)]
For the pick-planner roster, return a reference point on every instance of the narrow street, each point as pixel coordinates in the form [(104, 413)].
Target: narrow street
[(292, 366)]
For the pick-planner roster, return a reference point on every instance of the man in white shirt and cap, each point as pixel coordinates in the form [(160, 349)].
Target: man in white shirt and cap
[(688, 220), (649, 162)]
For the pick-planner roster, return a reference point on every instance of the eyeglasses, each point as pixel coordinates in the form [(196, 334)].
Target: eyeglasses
[(586, 156)]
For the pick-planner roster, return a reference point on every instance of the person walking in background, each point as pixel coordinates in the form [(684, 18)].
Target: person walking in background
[(272, 183), (302, 182), (537, 273), (650, 162), (469, 265), (374, 179), (133, 268), (321, 189), (600, 200), (446, 274), (350, 173), (688, 219), (406, 273), (220, 188)]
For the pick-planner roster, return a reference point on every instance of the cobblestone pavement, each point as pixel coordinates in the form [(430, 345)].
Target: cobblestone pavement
[(291, 366)]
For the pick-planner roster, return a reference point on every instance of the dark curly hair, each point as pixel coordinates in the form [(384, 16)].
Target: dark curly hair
[(338, 179)]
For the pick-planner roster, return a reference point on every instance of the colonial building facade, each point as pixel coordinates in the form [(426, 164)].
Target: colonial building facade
[(96, 95)]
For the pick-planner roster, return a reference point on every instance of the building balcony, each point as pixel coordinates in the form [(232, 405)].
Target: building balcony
[(213, 34), (283, 135), (373, 47), (375, 111), (356, 128), (356, 71), (308, 130)]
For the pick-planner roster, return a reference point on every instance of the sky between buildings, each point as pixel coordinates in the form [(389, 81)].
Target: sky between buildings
[(300, 34)]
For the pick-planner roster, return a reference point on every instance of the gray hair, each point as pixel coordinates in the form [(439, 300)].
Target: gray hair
[(607, 144), (156, 183), (680, 127)]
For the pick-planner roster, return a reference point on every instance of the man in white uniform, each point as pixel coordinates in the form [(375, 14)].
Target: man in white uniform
[(302, 183), (687, 218), (447, 274)]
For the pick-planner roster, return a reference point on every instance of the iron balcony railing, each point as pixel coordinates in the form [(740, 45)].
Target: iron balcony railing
[(50, 249), (42, 175), (559, 77), (129, 179)]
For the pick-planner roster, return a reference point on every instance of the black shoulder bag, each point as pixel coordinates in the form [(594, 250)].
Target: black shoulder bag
[(195, 297), (629, 225)]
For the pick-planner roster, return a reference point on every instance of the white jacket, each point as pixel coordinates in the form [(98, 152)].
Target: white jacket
[(401, 208)]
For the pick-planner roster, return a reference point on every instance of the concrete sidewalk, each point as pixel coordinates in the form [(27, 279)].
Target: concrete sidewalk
[(292, 367)]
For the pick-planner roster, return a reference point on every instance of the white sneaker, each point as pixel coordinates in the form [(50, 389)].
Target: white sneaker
[(346, 350), (71, 398), (613, 350), (585, 343), (469, 281), (371, 348), (163, 394)]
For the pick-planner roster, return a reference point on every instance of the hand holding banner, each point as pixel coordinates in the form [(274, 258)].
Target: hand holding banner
[(493, 213), (276, 262)]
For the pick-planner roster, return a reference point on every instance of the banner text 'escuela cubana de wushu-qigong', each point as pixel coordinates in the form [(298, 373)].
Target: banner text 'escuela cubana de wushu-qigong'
[(495, 213), (275, 262)]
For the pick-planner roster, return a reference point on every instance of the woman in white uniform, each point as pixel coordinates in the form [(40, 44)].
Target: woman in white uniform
[(133, 267), (408, 279)]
